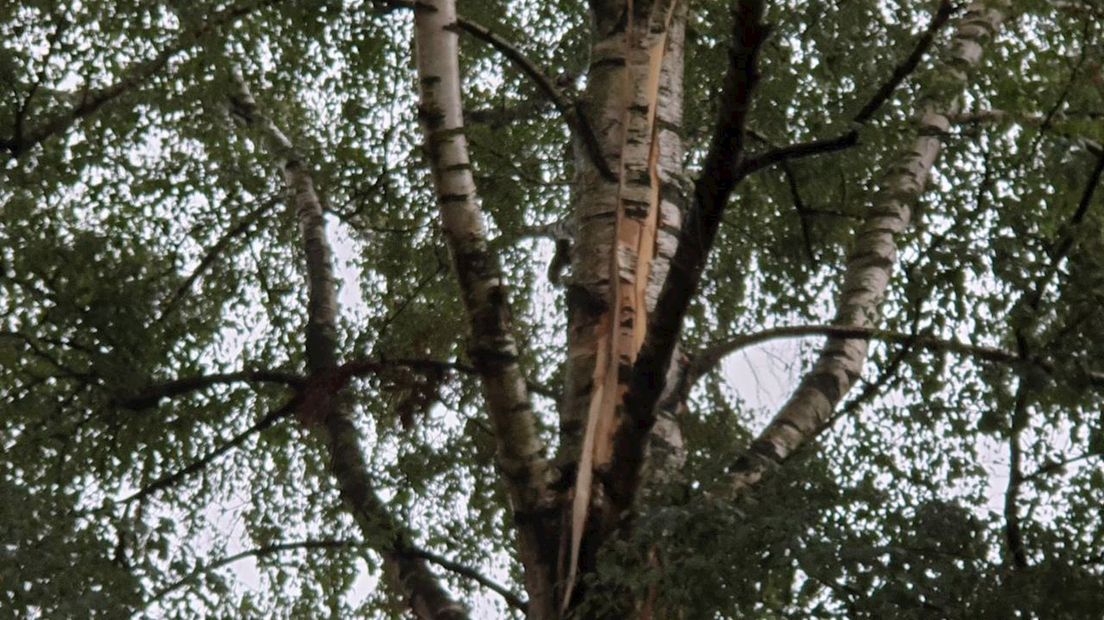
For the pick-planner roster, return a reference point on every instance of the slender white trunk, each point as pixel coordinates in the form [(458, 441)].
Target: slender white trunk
[(492, 347)]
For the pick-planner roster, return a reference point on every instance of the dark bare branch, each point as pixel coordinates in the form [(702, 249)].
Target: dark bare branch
[(867, 112), (216, 250), (258, 552), (150, 396), (711, 355), (512, 599), (344, 545), (1013, 534), (203, 462), (1054, 467), (575, 120)]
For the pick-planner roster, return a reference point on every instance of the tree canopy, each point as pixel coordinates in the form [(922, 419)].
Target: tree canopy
[(195, 420)]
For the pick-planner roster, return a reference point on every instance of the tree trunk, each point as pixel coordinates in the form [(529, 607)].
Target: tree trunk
[(492, 347), (627, 232)]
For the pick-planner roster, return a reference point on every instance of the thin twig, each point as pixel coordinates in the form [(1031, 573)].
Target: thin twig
[(568, 109), (710, 356), (213, 253), (92, 100), (169, 480), (513, 600), (866, 113)]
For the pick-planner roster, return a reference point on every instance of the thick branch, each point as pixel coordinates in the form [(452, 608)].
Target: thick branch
[(325, 402), (133, 76), (867, 112), (872, 259), (718, 178), (1013, 534), (150, 396)]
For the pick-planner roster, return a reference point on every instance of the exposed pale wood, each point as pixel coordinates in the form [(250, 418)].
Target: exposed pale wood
[(631, 249)]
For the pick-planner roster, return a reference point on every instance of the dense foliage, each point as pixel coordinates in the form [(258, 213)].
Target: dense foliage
[(149, 241)]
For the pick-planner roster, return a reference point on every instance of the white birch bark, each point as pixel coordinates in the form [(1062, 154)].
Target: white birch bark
[(873, 256), (492, 347)]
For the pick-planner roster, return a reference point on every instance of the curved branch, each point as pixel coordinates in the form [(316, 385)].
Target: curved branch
[(867, 112), (872, 259), (576, 121), (511, 599), (212, 254), (709, 356)]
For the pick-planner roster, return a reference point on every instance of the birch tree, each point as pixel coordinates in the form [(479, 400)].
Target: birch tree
[(560, 310)]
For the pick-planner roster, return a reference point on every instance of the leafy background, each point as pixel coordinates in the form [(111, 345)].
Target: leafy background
[(151, 241)]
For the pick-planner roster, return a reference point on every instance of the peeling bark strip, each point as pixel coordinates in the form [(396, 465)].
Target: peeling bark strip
[(873, 256), (492, 347), (637, 70), (718, 178), (410, 574)]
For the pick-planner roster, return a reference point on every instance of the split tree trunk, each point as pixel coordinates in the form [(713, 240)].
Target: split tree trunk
[(627, 232)]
